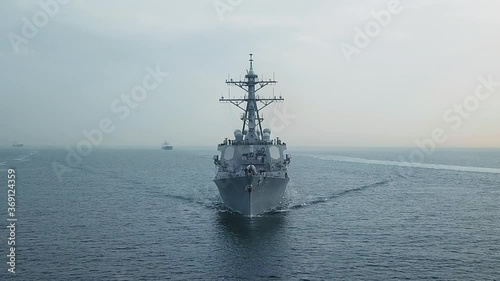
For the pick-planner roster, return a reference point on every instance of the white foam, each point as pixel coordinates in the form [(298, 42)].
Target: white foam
[(25, 157), (407, 164)]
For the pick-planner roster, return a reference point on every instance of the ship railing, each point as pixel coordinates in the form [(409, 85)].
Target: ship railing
[(241, 173)]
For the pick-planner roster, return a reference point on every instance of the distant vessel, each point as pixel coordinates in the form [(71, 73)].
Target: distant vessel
[(166, 146), (252, 169), (16, 144)]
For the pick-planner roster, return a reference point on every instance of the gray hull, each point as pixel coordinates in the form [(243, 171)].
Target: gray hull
[(251, 195)]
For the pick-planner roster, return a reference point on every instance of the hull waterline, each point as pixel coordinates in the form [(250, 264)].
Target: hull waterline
[(252, 195)]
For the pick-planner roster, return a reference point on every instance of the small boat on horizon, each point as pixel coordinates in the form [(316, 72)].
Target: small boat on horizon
[(16, 144), (167, 146)]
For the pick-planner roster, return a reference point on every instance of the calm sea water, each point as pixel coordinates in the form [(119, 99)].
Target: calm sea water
[(350, 214)]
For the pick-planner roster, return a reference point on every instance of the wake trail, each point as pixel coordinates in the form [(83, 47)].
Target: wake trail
[(320, 200), (214, 202), (406, 164), (210, 202), (25, 157)]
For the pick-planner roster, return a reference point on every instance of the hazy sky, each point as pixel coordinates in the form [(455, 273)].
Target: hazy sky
[(392, 92)]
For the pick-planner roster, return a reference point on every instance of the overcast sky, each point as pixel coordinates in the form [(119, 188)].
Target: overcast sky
[(391, 92)]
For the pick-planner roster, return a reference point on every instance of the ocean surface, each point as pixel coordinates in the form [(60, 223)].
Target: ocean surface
[(349, 214)]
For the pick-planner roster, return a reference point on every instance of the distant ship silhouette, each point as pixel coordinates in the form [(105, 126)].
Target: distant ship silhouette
[(166, 146), (16, 144)]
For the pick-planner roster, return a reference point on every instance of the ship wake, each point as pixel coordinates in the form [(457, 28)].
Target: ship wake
[(215, 203), (406, 164), (290, 205), (24, 157)]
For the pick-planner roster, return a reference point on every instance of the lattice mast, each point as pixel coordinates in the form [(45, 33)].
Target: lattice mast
[(251, 117)]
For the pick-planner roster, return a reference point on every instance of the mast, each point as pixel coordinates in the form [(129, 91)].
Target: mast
[(251, 117)]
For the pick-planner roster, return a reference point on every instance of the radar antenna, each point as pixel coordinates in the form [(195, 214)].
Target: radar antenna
[(251, 117)]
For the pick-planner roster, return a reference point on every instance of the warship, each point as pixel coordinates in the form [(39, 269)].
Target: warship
[(252, 168), (16, 144), (166, 146)]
